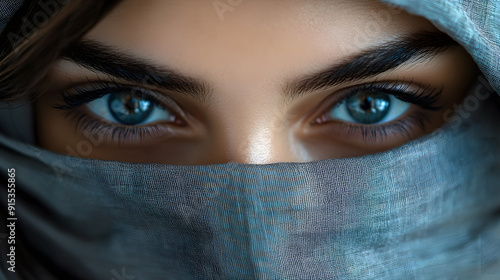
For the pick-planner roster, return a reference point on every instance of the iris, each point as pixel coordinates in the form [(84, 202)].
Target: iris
[(368, 108), (129, 109)]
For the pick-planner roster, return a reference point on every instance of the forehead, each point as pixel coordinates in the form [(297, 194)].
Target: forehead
[(256, 37)]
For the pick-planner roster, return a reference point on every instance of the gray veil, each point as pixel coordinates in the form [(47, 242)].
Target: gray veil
[(429, 209)]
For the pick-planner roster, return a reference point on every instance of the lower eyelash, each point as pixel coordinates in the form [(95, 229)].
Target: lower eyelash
[(379, 133), (92, 127), (425, 97)]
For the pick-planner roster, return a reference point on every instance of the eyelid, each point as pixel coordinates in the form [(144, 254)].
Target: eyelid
[(94, 127), (425, 97), (78, 95)]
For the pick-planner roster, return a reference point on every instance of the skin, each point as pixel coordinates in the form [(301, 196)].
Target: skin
[(247, 56)]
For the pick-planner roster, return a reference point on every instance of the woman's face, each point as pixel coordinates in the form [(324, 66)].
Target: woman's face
[(250, 81)]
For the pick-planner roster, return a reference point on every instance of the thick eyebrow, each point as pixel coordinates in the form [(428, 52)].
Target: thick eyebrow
[(122, 65), (373, 62)]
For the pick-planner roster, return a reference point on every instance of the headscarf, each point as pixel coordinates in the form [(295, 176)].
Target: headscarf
[(429, 209)]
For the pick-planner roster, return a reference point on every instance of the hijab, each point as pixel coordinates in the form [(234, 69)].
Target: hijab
[(429, 209)]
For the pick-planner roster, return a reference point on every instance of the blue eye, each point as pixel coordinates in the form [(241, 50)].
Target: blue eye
[(369, 107), (129, 108)]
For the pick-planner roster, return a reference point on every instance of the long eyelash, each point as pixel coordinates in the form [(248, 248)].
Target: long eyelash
[(425, 97), (381, 132), (78, 96), (93, 127)]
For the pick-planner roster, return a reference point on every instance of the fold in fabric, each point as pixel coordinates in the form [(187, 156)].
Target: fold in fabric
[(427, 210), (475, 24)]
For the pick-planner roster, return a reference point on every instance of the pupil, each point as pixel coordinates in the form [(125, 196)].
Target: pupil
[(366, 104), (131, 105), (368, 107), (129, 109)]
